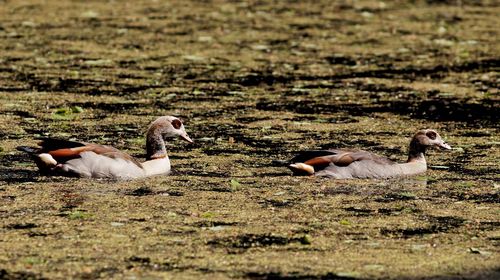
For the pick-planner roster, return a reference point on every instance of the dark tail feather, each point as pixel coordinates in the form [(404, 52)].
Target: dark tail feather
[(27, 149), (49, 144), (280, 163)]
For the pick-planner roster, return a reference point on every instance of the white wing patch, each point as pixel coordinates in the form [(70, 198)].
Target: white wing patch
[(48, 159)]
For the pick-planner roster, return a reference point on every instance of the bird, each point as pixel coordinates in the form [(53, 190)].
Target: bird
[(79, 159), (349, 163)]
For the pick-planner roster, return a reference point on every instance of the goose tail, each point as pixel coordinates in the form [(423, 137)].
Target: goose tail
[(27, 149)]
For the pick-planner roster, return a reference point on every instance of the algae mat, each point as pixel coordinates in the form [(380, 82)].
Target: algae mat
[(255, 81)]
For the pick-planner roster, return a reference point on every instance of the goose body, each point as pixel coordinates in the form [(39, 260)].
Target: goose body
[(346, 164), (68, 158)]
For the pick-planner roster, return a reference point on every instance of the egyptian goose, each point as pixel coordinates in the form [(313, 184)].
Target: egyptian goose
[(345, 164), (68, 158)]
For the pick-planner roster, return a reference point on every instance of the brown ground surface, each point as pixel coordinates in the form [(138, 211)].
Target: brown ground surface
[(255, 81)]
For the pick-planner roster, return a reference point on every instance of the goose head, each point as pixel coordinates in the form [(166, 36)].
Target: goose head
[(169, 127), (426, 138)]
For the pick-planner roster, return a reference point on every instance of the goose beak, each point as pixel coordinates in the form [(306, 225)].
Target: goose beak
[(444, 146), (186, 137)]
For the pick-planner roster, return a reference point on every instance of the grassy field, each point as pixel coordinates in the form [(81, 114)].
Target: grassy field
[(255, 82)]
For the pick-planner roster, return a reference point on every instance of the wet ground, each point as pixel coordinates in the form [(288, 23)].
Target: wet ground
[(255, 81)]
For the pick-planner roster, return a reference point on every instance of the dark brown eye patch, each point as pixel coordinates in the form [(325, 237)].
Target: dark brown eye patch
[(431, 134), (176, 124)]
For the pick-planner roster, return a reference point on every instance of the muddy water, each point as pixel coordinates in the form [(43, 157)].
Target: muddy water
[(255, 82)]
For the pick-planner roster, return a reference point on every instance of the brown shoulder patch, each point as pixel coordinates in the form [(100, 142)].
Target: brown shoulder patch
[(318, 162), (344, 160), (63, 155)]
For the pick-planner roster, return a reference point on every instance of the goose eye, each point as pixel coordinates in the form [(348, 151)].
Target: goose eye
[(431, 134), (176, 124)]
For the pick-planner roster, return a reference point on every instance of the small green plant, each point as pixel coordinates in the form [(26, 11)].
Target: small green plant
[(66, 113), (235, 185), (345, 222), (33, 260), (466, 184), (305, 240), (208, 215)]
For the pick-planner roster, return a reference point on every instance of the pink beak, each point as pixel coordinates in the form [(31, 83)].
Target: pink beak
[(444, 146), (186, 137)]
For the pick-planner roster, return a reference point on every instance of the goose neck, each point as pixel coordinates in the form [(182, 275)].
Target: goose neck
[(155, 145), (417, 152)]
